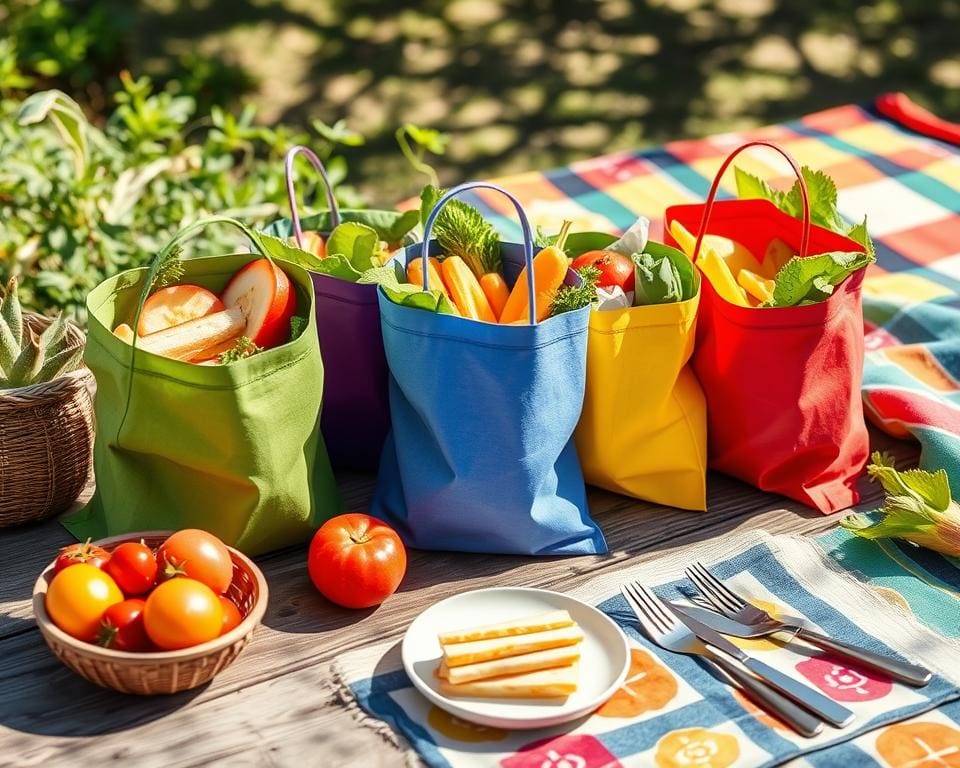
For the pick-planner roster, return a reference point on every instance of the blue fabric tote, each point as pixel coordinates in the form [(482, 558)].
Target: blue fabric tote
[(480, 457)]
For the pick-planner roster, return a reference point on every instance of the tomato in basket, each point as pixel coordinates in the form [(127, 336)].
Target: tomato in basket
[(77, 598), (88, 553), (197, 555), (134, 567)]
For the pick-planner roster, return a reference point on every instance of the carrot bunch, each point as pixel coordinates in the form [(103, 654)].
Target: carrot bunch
[(469, 269)]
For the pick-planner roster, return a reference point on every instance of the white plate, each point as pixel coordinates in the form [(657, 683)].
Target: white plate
[(604, 657)]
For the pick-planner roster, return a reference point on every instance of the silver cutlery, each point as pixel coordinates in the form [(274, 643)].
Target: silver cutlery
[(759, 623), (669, 630), (806, 696)]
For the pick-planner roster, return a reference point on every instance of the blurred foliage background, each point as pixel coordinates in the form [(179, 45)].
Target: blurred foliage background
[(214, 91)]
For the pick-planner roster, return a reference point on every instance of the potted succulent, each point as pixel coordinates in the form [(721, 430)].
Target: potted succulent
[(46, 413)]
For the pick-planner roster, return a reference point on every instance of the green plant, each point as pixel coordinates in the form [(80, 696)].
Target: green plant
[(29, 358), (424, 140), (79, 203)]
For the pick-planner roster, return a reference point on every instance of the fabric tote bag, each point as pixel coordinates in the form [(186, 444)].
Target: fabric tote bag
[(232, 449), (481, 457), (782, 383), (356, 414), (643, 430)]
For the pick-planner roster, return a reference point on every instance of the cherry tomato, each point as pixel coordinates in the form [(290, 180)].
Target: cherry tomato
[(88, 553), (182, 612), (231, 615), (122, 627), (77, 598), (198, 555), (134, 567), (615, 268), (356, 560)]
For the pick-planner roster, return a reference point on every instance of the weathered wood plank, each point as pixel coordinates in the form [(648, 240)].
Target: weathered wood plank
[(47, 713)]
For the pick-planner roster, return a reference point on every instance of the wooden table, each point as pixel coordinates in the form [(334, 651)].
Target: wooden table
[(276, 705)]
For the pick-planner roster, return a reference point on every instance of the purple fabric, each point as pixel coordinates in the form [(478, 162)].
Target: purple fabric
[(356, 414)]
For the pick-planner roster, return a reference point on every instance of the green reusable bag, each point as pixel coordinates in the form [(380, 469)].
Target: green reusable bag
[(233, 449)]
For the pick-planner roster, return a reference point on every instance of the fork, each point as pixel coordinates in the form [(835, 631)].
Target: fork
[(731, 605), (668, 631)]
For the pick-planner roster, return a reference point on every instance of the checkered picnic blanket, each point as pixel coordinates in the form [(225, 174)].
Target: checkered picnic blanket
[(907, 184)]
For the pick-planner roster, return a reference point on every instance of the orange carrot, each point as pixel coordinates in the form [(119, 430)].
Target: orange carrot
[(495, 289), (465, 290), (434, 281), (549, 269)]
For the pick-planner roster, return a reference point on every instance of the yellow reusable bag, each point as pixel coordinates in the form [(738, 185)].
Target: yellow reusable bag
[(643, 429)]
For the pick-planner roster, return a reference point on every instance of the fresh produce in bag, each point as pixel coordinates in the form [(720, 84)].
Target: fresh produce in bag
[(340, 248), (779, 349), (480, 457), (643, 427), (233, 446)]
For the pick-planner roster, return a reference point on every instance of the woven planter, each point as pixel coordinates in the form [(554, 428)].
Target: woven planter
[(159, 672), (46, 440)]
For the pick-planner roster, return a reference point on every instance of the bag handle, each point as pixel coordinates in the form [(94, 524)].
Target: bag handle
[(292, 196), (524, 226), (175, 242), (708, 209)]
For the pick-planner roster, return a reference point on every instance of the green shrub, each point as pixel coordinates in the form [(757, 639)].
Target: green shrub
[(79, 203)]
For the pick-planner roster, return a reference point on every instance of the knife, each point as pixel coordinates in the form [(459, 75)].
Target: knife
[(796, 626), (804, 695)]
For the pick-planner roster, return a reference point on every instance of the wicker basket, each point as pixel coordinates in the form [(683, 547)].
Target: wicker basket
[(164, 671), (46, 440)]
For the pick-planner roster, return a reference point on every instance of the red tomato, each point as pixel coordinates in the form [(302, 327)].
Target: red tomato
[(182, 612), (88, 553), (231, 615), (268, 300), (198, 555), (176, 305), (313, 242), (122, 627), (615, 268), (134, 567), (356, 560), (77, 598)]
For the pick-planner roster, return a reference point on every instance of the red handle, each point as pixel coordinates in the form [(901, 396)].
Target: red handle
[(711, 197)]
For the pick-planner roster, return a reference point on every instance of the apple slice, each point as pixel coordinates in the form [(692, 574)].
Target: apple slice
[(263, 293), (176, 305)]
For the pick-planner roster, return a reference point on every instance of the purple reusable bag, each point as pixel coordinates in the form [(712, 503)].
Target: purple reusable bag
[(356, 413)]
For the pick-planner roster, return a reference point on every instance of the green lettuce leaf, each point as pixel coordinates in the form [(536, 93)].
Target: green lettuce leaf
[(657, 280), (390, 278), (357, 242), (808, 280), (821, 194), (284, 251)]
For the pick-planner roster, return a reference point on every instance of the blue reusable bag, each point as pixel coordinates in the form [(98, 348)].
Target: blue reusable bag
[(480, 457)]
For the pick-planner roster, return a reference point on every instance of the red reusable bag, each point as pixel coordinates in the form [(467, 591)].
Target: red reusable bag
[(782, 383)]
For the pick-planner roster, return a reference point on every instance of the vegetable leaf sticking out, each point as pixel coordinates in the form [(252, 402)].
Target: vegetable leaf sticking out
[(821, 194), (297, 326), (812, 279), (663, 275), (918, 508), (389, 278), (168, 270), (572, 297), (461, 230), (356, 242), (241, 349)]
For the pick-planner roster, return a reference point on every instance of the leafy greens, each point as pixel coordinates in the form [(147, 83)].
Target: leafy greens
[(812, 279)]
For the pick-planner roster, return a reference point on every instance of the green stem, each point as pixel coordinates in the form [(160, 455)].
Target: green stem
[(415, 159)]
